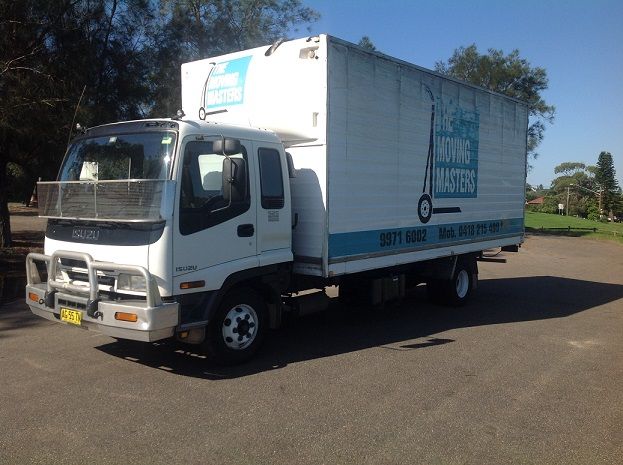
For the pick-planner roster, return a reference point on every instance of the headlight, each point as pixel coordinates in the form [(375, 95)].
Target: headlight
[(128, 282)]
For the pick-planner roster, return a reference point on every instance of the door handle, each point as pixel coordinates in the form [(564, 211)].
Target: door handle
[(246, 230)]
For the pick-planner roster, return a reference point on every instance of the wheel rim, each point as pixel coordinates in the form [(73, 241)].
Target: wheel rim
[(240, 327), (462, 284), (425, 208)]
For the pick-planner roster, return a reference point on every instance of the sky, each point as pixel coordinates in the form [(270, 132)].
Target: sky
[(579, 43)]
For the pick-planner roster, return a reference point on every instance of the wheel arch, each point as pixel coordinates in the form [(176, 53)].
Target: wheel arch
[(269, 282)]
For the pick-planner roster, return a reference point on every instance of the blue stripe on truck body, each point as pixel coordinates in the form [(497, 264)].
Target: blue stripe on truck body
[(421, 237)]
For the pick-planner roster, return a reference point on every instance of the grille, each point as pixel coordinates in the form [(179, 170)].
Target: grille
[(73, 263), (103, 280), (130, 200), (71, 304)]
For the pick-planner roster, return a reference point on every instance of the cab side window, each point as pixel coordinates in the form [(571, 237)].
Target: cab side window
[(271, 179), (202, 203)]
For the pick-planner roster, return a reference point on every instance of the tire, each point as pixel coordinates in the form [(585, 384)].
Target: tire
[(454, 292), (459, 288), (425, 208), (238, 328)]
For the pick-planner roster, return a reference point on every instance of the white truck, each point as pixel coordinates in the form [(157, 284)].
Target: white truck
[(297, 166)]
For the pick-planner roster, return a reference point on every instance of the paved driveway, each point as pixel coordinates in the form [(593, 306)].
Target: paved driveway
[(530, 372)]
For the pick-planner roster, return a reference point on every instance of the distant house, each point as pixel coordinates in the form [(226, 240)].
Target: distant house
[(537, 201)]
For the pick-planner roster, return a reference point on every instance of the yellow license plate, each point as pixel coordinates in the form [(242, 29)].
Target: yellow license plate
[(71, 316)]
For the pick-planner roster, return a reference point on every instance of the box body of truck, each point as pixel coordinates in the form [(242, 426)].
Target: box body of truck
[(395, 163)]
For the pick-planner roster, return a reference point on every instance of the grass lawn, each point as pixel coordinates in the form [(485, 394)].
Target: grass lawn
[(540, 222)]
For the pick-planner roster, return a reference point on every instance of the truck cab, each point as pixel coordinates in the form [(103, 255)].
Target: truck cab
[(153, 224)]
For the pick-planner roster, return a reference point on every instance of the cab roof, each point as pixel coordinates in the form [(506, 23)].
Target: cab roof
[(183, 126)]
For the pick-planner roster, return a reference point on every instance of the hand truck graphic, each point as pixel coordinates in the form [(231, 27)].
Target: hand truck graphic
[(425, 205)]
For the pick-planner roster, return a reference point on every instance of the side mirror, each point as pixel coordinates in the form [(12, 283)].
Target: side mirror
[(227, 146), (234, 180)]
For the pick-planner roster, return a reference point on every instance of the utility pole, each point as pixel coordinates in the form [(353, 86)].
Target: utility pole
[(567, 208)]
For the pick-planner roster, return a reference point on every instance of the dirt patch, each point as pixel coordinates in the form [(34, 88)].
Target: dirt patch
[(28, 233), (25, 219)]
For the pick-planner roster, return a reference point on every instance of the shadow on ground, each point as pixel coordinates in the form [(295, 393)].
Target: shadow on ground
[(558, 232), (15, 316), (599, 233), (342, 329), (13, 263), (28, 238)]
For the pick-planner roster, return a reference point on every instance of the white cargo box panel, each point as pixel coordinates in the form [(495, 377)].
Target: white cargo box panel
[(394, 162)]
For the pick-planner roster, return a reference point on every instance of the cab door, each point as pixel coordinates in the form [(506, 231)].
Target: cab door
[(274, 222), (214, 236)]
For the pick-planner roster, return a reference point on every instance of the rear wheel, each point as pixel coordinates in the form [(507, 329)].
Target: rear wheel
[(238, 328), (460, 287), (457, 290)]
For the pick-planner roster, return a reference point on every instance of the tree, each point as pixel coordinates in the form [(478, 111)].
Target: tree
[(569, 168), (24, 83), (51, 53), (509, 75), (366, 43), (605, 177), (577, 183)]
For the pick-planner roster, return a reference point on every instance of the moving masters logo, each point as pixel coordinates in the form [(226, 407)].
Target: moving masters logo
[(225, 85), (456, 153)]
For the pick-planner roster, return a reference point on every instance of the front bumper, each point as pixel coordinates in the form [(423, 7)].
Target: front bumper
[(155, 319)]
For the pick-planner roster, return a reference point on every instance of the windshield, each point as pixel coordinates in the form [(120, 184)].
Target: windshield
[(145, 155)]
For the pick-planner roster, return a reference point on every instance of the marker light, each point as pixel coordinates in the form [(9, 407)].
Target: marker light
[(131, 317), (192, 284)]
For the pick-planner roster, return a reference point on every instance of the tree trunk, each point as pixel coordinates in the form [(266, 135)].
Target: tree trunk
[(5, 222)]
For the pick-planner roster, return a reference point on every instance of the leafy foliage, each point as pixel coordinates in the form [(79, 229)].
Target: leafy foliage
[(605, 177), (575, 189), (366, 42), (569, 168)]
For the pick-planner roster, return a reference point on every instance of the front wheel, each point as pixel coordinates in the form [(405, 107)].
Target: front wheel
[(238, 328)]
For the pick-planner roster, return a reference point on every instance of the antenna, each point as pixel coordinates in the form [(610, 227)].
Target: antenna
[(75, 113), (274, 46), (202, 110)]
